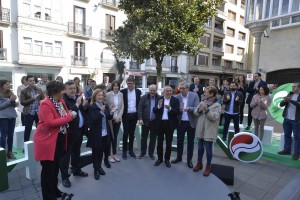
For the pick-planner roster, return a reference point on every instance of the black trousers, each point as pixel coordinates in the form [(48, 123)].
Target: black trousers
[(129, 125), (145, 131), (114, 138), (164, 130), (249, 115), (183, 128), (50, 169), (22, 119), (242, 105), (73, 153), (97, 154), (29, 119), (228, 118)]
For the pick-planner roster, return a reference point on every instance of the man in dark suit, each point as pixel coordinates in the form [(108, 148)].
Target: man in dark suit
[(252, 90), (131, 98), (166, 111), (232, 100), (146, 118), (197, 87), (76, 127), (187, 122)]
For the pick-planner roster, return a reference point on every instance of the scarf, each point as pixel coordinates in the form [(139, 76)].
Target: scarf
[(62, 113)]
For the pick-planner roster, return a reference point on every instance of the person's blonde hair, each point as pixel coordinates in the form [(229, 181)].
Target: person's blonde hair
[(95, 93)]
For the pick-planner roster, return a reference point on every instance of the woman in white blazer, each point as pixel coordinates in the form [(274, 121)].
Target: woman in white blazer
[(116, 104)]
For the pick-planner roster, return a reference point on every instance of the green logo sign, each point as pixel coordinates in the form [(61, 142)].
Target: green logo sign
[(277, 96)]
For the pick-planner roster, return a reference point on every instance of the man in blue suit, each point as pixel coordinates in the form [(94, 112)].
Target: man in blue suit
[(166, 111), (252, 90)]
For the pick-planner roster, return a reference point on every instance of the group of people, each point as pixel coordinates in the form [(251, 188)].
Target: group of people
[(64, 112)]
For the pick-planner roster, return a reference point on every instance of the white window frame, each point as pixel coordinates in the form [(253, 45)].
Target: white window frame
[(38, 43), (48, 46), (58, 45), (26, 42)]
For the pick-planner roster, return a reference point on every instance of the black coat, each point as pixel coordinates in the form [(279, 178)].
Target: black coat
[(200, 89), (144, 108), (95, 123), (125, 99), (236, 104), (172, 114)]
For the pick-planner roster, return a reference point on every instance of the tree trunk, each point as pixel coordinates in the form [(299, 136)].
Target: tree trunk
[(158, 70)]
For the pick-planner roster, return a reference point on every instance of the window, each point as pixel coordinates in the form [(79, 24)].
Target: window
[(229, 48), (259, 7), (205, 40), (240, 65), (275, 23), (58, 49), (26, 9), (233, 1), (240, 51), (268, 4), (1, 39), (79, 20), (243, 4), (228, 64), (285, 7), (231, 15), (173, 61), (230, 32), (201, 60), (285, 21), (37, 12), (48, 49), (295, 6), (48, 14), (296, 19), (242, 20), (275, 8), (27, 45), (79, 49), (110, 22), (38, 47), (242, 36)]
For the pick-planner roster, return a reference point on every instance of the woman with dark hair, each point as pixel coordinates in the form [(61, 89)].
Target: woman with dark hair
[(242, 87), (50, 139), (8, 116), (79, 90), (99, 133), (208, 113), (260, 104), (116, 104), (60, 79)]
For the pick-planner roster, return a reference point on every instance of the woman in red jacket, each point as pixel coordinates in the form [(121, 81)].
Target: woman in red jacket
[(50, 139)]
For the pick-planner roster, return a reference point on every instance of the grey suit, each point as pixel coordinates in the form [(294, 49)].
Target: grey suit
[(187, 126)]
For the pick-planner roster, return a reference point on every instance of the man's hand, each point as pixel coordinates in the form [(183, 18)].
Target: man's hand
[(196, 90), (73, 114), (167, 107), (186, 109), (103, 108), (181, 106), (13, 98), (237, 98), (160, 103), (35, 96), (287, 98), (78, 101), (227, 96)]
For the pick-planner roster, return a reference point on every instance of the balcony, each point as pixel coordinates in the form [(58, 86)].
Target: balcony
[(110, 4), (79, 61), (5, 16), (79, 30), (174, 69), (106, 35), (219, 31), (3, 53), (134, 65)]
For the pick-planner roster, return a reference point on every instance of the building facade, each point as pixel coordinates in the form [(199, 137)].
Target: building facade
[(275, 25)]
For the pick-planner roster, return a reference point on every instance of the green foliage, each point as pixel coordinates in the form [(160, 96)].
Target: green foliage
[(156, 28)]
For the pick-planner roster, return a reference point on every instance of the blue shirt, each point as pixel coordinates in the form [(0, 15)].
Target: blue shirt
[(33, 109), (230, 111), (152, 100)]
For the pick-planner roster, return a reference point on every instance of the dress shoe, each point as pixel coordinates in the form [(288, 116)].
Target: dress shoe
[(97, 174), (132, 154), (168, 164), (284, 152), (247, 128), (101, 171), (190, 165), (66, 183), (152, 157), (66, 196), (177, 160), (296, 156), (157, 163), (80, 173), (207, 170), (111, 159), (116, 158), (141, 155), (124, 155), (198, 167), (107, 164), (10, 155)]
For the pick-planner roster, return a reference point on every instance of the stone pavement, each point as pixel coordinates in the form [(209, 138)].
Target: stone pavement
[(263, 180)]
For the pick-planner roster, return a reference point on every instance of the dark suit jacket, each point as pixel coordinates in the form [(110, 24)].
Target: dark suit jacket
[(125, 98), (144, 108), (252, 91), (200, 91), (172, 114), (236, 105)]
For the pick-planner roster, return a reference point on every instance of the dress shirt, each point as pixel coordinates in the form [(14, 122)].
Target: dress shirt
[(131, 101), (152, 100), (291, 111), (116, 99), (165, 114), (185, 116), (230, 111)]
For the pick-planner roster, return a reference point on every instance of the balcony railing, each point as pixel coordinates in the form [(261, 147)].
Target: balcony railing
[(134, 65), (5, 15), (208, 25), (112, 3), (218, 49), (222, 12), (3, 53), (219, 30), (106, 35), (79, 61), (174, 69), (79, 29)]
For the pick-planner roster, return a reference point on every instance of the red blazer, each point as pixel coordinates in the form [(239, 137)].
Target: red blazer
[(47, 131)]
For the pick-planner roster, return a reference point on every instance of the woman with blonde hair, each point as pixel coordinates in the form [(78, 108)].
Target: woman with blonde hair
[(8, 116), (99, 133), (208, 113)]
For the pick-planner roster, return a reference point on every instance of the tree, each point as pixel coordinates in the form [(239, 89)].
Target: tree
[(156, 28)]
